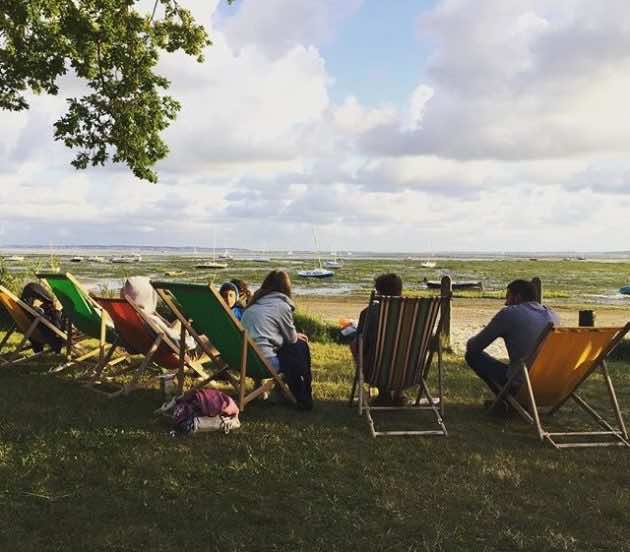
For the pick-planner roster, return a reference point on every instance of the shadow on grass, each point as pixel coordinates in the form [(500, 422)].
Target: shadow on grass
[(80, 471)]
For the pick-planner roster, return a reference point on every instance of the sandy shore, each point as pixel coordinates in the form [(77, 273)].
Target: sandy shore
[(468, 315)]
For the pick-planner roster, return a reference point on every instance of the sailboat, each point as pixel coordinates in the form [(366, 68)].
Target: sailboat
[(213, 264), (334, 262), (427, 263), (317, 272), (225, 256)]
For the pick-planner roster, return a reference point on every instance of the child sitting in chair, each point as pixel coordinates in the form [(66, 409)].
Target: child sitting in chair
[(230, 295)]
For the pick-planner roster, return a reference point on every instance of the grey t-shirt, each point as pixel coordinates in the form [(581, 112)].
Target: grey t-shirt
[(520, 326)]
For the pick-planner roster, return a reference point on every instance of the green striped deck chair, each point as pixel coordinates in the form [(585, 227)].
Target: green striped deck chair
[(201, 310), (406, 337), (27, 321), (88, 317)]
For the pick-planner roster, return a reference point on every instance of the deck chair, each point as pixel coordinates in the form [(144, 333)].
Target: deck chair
[(139, 335), (27, 321), (562, 361), (202, 311), (407, 341), (88, 317)]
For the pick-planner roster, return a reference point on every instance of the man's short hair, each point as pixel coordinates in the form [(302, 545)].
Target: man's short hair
[(524, 289), (388, 284)]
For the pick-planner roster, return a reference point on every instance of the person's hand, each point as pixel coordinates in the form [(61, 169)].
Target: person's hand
[(302, 337)]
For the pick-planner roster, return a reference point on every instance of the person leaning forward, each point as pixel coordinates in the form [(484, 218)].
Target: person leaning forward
[(520, 323)]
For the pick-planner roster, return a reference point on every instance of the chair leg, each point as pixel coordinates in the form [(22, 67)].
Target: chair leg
[(6, 337), (13, 358), (613, 400), (354, 387)]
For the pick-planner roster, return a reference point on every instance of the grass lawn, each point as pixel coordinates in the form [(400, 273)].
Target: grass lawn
[(82, 472)]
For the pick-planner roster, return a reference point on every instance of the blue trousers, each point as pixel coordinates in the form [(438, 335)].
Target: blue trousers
[(489, 369)]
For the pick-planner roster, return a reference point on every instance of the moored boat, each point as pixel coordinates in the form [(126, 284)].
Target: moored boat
[(316, 273), (625, 290), (464, 284)]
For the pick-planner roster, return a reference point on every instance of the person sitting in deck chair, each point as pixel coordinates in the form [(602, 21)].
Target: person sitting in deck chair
[(269, 320), (244, 293), (520, 323), (230, 294), (141, 292), (390, 285), (37, 296)]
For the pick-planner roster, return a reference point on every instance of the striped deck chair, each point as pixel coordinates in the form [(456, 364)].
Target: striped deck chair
[(202, 311), (407, 337), (27, 321), (88, 317), (563, 360), (139, 335)]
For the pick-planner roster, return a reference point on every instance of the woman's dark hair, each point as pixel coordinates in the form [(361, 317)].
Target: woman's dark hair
[(276, 280), (524, 289), (244, 294), (388, 284)]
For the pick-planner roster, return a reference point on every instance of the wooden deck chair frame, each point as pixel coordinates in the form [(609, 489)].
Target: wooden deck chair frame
[(429, 335), (160, 337), (10, 359), (222, 368), (532, 413), (105, 355)]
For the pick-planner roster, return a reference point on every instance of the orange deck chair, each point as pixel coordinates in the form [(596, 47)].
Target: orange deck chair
[(563, 360), (26, 320)]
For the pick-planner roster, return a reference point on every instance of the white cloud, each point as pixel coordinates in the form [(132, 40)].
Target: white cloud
[(275, 26), (514, 138)]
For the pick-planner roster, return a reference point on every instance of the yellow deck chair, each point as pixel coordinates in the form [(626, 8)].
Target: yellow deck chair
[(562, 361), (27, 321)]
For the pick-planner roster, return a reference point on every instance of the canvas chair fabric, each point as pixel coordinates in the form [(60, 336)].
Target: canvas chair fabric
[(136, 335), (203, 308), (83, 311), (563, 360), (406, 338), (88, 317), (27, 321)]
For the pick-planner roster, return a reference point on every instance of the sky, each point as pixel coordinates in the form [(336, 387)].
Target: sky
[(415, 126)]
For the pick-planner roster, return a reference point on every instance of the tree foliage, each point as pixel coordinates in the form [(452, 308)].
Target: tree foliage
[(113, 48)]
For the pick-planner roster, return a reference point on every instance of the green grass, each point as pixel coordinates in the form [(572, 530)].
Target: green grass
[(82, 472)]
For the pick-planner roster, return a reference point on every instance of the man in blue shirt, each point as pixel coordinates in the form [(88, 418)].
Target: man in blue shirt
[(520, 323)]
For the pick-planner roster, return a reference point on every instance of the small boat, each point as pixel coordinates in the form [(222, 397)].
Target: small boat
[(126, 260), (316, 273), (225, 256), (96, 259), (335, 263), (14, 258), (625, 290), (211, 265), (464, 284), (428, 264), (76, 260), (174, 273)]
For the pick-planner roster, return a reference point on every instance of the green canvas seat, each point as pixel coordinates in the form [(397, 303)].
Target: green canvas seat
[(406, 338), (202, 311), (87, 316)]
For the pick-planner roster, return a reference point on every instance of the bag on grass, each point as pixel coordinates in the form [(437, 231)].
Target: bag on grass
[(205, 410)]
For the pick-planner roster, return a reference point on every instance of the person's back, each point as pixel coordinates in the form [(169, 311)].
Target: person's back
[(269, 322), (520, 326)]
